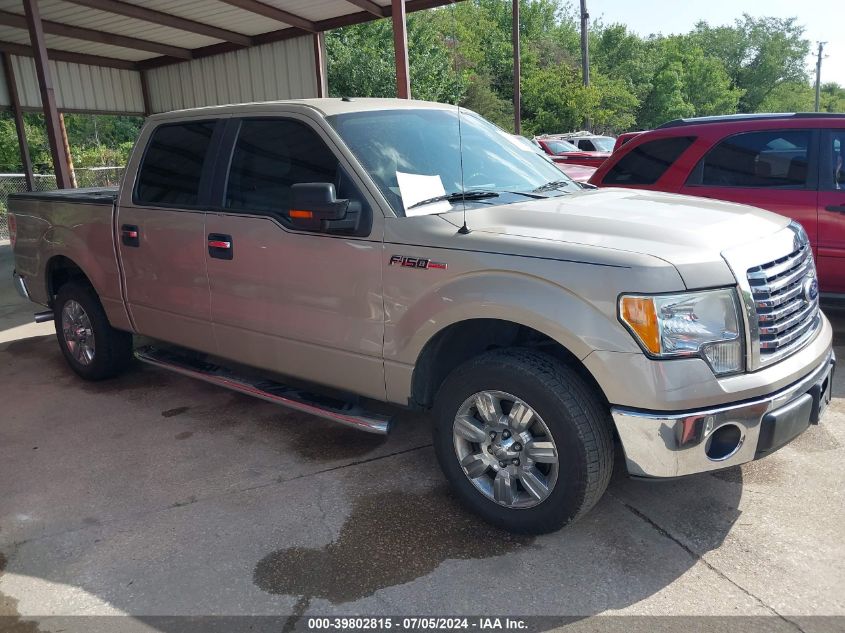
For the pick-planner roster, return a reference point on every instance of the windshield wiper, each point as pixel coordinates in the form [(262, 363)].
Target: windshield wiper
[(456, 196), (550, 186)]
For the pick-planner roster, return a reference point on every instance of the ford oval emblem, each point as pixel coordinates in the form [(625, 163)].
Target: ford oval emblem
[(811, 289)]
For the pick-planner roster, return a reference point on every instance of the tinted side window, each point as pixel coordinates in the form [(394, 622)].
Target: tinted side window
[(172, 166), (757, 159), (833, 156), (271, 155), (587, 146), (646, 163)]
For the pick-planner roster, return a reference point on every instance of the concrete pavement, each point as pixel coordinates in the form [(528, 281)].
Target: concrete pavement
[(156, 495)]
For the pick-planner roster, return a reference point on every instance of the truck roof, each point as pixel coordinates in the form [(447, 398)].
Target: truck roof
[(327, 107)]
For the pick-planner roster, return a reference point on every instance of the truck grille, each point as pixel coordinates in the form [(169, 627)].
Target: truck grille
[(785, 296)]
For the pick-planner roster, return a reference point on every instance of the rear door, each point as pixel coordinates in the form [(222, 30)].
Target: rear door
[(831, 235), (771, 169), (161, 234), (297, 302)]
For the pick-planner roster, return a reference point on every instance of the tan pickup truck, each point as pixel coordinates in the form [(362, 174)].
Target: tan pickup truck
[(322, 254)]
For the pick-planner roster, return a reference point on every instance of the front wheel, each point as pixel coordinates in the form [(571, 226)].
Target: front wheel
[(523, 440), (91, 346)]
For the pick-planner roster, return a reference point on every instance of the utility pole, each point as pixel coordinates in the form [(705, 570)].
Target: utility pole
[(585, 44), (819, 75), (585, 51)]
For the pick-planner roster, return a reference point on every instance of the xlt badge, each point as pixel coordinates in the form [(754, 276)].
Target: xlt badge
[(416, 262)]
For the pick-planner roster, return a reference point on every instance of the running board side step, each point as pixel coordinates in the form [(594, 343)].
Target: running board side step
[(340, 411)]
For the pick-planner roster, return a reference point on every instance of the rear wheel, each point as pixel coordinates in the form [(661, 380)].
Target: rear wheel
[(91, 346), (523, 440)]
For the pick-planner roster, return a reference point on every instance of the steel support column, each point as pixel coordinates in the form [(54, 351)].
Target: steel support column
[(145, 93), (20, 129), (320, 64), (400, 49), (517, 70), (48, 97)]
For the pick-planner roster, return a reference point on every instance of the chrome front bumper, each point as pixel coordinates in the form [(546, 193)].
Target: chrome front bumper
[(670, 444), (20, 285)]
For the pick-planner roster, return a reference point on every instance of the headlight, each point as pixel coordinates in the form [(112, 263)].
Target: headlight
[(704, 324)]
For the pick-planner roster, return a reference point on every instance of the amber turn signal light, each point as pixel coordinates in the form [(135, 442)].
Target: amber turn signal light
[(639, 314)]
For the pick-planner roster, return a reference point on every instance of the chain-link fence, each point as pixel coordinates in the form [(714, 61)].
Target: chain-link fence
[(16, 183)]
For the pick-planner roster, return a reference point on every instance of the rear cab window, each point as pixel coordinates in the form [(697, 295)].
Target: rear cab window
[(770, 159), (171, 170), (647, 162)]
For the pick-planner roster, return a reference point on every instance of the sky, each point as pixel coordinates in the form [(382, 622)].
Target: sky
[(823, 20)]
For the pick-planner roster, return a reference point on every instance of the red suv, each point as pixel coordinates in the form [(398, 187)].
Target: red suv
[(791, 164)]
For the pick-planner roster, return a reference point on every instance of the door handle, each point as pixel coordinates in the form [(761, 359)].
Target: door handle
[(220, 246), (836, 208), (130, 235)]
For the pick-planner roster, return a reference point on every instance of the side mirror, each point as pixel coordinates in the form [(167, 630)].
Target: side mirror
[(314, 207)]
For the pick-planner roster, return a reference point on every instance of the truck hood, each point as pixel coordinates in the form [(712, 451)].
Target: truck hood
[(690, 233)]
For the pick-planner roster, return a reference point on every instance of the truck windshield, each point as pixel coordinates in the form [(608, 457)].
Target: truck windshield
[(415, 158)]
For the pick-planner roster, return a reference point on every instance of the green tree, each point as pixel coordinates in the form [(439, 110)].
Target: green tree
[(667, 99), (481, 98), (832, 98), (361, 62), (759, 54), (789, 96)]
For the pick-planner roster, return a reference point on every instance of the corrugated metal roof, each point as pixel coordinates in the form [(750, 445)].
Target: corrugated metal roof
[(219, 14), (282, 70)]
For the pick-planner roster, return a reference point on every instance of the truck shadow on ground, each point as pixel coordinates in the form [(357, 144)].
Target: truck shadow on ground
[(391, 534)]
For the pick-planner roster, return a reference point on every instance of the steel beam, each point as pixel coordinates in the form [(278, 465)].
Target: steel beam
[(48, 97), (145, 93), (400, 49), (291, 32), (165, 19), (268, 11), (91, 35), (22, 50), (20, 129), (320, 65), (370, 7)]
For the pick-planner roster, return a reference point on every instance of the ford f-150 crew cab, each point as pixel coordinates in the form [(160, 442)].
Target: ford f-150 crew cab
[(325, 253)]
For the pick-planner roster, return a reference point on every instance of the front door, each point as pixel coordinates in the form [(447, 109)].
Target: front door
[(161, 237), (831, 240), (296, 302)]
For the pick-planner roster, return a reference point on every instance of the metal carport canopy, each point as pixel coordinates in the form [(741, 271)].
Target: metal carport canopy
[(145, 56)]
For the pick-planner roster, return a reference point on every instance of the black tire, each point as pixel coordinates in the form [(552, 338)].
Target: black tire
[(579, 423), (112, 348)]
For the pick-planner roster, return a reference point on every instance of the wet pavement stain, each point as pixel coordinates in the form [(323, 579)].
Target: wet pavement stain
[(388, 539), (10, 617), (169, 413), (186, 502), (31, 346), (335, 442)]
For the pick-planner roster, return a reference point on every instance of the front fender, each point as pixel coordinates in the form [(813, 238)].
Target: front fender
[(519, 298)]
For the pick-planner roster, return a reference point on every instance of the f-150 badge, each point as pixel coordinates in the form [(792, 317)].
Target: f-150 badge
[(416, 262)]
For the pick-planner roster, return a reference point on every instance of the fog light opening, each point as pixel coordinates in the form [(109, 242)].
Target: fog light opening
[(724, 443)]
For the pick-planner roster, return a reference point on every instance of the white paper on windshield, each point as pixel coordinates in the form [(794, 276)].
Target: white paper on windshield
[(415, 188)]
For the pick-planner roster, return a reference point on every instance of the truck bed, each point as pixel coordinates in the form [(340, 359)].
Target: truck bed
[(70, 227), (89, 195)]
